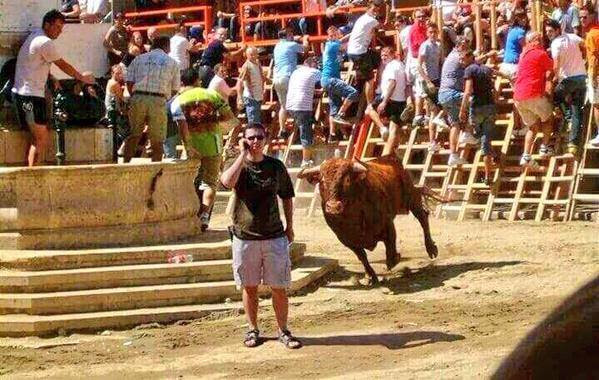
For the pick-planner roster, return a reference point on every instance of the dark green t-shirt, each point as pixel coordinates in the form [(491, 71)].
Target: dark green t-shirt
[(256, 211)]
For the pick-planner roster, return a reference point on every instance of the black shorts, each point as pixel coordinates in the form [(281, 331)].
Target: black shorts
[(393, 110), (31, 109), (365, 64)]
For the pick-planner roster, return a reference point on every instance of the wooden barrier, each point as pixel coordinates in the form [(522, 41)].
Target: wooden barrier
[(203, 12), (302, 12)]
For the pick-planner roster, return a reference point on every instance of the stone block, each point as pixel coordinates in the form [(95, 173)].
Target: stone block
[(3, 135), (80, 145), (15, 148), (103, 145)]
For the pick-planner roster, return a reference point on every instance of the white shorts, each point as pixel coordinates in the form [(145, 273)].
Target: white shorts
[(258, 262), (509, 70), (534, 110), (281, 86)]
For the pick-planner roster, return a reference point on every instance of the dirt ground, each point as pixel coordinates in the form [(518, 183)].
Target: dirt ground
[(454, 317)]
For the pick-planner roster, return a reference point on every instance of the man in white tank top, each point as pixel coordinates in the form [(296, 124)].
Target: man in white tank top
[(251, 86)]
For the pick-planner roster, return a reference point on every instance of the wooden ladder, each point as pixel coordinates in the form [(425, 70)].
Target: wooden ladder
[(585, 197)]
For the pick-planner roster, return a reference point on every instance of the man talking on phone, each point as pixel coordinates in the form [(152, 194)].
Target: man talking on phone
[(260, 243)]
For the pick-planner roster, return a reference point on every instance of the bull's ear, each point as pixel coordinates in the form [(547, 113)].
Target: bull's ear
[(361, 176)]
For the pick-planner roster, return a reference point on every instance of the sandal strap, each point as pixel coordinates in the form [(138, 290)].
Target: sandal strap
[(286, 338)]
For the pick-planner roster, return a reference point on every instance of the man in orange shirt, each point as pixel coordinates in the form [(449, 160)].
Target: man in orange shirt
[(591, 30)]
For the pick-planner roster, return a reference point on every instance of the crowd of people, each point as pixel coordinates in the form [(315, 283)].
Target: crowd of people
[(180, 89)]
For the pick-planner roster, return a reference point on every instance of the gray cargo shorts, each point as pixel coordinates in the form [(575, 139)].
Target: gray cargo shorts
[(261, 262)]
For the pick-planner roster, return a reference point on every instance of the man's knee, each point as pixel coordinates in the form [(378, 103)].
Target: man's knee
[(251, 291), (279, 292)]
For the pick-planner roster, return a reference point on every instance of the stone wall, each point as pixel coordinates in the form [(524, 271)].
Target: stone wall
[(86, 206)]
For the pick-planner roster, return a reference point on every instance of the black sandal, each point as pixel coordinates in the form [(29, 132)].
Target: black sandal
[(289, 340), (252, 338)]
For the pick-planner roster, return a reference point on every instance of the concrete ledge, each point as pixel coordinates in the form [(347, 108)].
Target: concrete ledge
[(310, 269), (209, 246), (109, 236)]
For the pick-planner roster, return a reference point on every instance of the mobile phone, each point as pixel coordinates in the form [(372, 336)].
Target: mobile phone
[(246, 145)]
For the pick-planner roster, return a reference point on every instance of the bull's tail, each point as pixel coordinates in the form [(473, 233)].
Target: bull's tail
[(429, 196)]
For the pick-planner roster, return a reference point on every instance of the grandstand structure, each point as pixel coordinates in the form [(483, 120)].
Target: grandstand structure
[(563, 188)]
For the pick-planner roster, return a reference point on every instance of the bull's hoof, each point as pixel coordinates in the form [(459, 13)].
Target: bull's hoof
[(432, 250), (369, 281), (391, 264)]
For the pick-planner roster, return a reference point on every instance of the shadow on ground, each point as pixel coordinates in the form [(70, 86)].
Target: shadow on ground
[(393, 341), (416, 280)]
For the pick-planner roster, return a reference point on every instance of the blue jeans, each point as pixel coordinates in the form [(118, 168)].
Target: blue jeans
[(573, 88), (451, 101), (304, 120), (170, 146), (252, 110), (482, 119), (339, 90)]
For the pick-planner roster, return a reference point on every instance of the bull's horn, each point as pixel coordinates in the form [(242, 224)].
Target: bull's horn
[(359, 166), (307, 171)]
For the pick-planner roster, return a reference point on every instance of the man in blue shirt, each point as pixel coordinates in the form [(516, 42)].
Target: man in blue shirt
[(341, 94), (513, 45), (285, 56)]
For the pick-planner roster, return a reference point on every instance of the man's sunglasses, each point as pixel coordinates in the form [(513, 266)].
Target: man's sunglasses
[(258, 137)]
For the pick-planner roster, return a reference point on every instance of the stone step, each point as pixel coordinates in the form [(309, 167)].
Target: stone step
[(309, 270), (63, 280), (88, 258), (122, 298)]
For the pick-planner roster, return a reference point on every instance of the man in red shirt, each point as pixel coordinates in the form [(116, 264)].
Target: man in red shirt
[(532, 90), (416, 37)]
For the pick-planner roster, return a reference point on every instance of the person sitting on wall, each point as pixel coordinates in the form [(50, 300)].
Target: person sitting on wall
[(70, 9), (95, 11)]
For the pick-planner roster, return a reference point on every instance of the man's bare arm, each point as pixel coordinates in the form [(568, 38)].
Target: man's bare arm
[(72, 72), (288, 211), (230, 176)]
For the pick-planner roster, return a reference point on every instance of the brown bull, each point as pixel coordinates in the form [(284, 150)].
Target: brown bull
[(360, 201)]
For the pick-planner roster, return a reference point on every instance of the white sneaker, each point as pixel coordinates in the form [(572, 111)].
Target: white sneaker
[(527, 162), (546, 151), (434, 147), (418, 121), (440, 123), (384, 131), (595, 141), (307, 164), (455, 160), (466, 138), (521, 132)]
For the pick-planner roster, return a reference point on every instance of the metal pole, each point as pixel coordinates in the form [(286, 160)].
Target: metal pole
[(60, 118)]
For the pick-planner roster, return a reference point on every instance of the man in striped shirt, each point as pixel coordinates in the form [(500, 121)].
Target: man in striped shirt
[(300, 102), (152, 78)]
